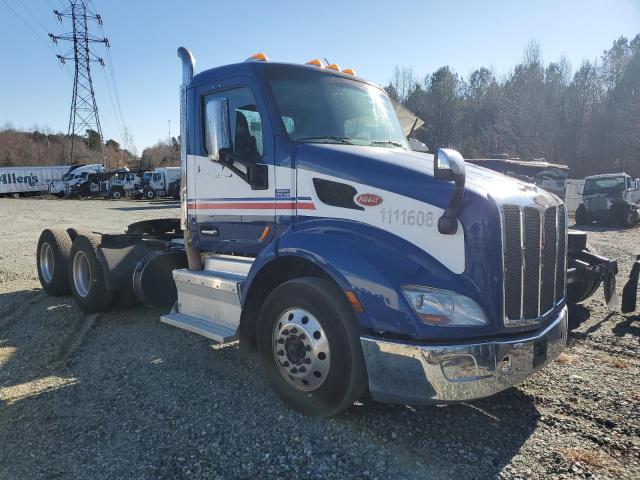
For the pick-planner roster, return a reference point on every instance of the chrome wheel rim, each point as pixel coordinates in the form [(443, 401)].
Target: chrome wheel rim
[(301, 349), (46, 262), (81, 273)]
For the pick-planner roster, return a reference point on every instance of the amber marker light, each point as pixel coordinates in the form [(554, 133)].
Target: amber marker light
[(349, 71), (257, 57), (316, 62), (334, 66), (353, 300)]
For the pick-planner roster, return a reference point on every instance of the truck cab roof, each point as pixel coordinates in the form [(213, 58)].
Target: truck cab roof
[(253, 68), (607, 175)]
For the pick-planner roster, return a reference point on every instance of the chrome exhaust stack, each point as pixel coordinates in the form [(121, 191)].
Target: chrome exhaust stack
[(188, 65)]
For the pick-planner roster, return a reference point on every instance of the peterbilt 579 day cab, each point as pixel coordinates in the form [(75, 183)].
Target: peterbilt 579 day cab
[(311, 232)]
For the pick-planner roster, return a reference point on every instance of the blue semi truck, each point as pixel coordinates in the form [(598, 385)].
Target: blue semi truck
[(313, 234)]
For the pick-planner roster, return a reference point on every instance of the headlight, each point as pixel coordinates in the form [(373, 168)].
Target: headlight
[(442, 307)]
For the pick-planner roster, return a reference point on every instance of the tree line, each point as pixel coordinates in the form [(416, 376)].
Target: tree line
[(589, 119), (40, 147)]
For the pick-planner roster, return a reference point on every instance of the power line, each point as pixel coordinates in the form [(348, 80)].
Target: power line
[(26, 24), (113, 91)]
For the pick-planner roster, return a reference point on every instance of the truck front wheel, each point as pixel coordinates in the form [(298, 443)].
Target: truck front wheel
[(627, 216), (86, 278), (582, 215), (54, 246), (309, 347), (150, 194)]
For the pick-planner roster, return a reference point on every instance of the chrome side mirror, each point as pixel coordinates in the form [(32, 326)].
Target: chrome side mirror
[(217, 129), (448, 165)]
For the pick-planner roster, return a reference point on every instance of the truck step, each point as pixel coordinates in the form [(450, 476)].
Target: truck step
[(208, 302), (228, 264), (206, 328)]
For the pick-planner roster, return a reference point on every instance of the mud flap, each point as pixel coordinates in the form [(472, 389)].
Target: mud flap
[(610, 292), (630, 291)]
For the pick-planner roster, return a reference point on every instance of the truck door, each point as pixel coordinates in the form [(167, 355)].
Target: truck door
[(233, 211)]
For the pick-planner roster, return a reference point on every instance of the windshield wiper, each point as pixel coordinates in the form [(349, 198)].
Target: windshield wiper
[(331, 138), (386, 142)]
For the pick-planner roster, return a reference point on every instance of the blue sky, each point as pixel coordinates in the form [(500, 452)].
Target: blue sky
[(371, 36)]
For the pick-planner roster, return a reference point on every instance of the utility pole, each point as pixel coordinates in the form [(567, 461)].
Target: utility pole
[(84, 110), (169, 131)]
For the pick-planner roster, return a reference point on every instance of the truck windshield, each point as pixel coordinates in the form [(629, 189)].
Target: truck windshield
[(323, 108), (603, 185)]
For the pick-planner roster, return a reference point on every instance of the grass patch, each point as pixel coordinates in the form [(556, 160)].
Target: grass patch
[(617, 362), (565, 358), (587, 457)]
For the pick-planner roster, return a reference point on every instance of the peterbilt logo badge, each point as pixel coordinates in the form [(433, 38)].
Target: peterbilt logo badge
[(541, 200), (369, 199)]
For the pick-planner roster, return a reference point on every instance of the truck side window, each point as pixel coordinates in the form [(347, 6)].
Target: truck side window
[(245, 123)]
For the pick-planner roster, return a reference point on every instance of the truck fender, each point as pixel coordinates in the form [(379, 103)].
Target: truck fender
[(358, 258)]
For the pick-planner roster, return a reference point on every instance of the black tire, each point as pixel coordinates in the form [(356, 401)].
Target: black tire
[(627, 216), (150, 194), (582, 215), (346, 378), (116, 194), (86, 277), (52, 257), (59, 194)]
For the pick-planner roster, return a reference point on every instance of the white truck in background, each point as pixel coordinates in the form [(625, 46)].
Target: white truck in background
[(75, 175), (156, 183), (21, 181), (124, 184)]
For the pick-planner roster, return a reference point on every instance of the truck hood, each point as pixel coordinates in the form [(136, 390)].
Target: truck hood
[(408, 173)]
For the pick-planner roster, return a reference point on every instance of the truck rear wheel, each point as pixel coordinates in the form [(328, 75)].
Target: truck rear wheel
[(86, 277), (309, 347), (116, 194), (54, 247), (582, 215)]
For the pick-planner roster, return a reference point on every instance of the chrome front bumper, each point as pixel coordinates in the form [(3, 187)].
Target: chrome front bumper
[(424, 374)]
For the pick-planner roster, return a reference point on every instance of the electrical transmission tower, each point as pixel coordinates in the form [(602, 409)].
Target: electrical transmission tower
[(84, 110)]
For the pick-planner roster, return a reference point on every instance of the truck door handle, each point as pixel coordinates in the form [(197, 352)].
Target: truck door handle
[(209, 231)]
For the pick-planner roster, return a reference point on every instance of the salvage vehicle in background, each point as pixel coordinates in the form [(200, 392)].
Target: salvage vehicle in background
[(76, 175), (310, 231), (612, 198)]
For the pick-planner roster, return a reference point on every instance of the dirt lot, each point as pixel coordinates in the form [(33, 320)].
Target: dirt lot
[(120, 395)]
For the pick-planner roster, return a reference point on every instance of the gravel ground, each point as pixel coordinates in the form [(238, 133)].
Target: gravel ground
[(120, 395)]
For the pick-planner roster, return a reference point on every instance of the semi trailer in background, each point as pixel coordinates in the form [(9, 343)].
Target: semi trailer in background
[(22, 181), (550, 176)]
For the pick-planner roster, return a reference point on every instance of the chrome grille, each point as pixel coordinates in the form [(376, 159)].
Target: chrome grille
[(534, 250)]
